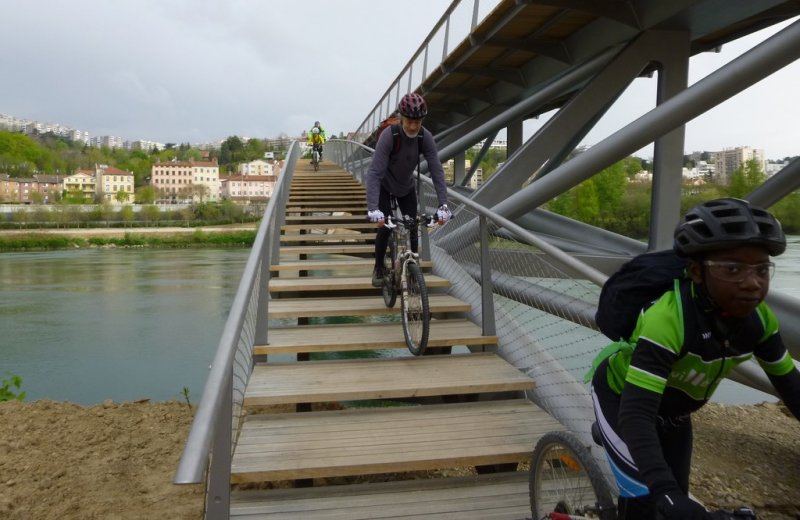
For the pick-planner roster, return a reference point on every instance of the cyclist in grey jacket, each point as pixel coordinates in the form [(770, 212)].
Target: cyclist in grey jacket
[(391, 172), (683, 345)]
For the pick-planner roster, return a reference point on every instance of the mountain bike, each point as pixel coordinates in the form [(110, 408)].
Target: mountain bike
[(566, 483), (315, 157), (402, 275)]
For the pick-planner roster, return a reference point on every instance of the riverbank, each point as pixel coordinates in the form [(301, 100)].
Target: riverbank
[(37, 239), (61, 460)]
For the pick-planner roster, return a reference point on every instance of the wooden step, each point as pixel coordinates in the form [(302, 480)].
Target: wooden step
[(339, 249), (367, 336), (364, 441), (498, 496), (325, 219), (297, 227), (354, 264), (338, 283), (328, 237), (354, 306), (331, 196), (317, 176), (343, 192), (382, 378), (315, 208), (334, 202), (349, 182)]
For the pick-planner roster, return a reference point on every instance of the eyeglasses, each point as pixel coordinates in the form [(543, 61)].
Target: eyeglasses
[(738, 271)]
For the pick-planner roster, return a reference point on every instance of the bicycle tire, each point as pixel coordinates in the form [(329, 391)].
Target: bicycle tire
[(315, 160), (415, 310), (389, 287), (565, 478)]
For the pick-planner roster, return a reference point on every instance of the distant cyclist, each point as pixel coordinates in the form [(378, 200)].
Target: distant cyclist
[(683, 345), (316, 138), (391, 172)]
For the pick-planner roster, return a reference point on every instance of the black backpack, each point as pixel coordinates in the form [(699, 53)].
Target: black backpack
[(636, 284)]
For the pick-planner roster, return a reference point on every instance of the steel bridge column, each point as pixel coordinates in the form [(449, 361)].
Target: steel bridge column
[(673, 77), (741, 73), (459, 168), (513, 137)]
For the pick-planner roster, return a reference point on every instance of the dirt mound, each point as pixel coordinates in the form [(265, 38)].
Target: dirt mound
[(61, 460)]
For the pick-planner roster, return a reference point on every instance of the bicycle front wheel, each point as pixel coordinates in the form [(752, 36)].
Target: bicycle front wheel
[(415, 310), (315, 160), (564, 478)]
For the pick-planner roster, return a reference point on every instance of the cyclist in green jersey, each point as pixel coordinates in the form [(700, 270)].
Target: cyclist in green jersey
[(683, 345)]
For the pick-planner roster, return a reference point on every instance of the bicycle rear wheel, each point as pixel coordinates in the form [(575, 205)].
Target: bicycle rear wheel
[(389, 287), (416, 312), (564, 478)]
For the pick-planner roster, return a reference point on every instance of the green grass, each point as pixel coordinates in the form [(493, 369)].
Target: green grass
[(34, 241)]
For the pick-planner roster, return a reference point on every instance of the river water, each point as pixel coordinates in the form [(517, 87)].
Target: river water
[(87, 325)]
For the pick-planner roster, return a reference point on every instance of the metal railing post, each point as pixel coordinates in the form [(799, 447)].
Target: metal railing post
[(487, 292), (218, 498)]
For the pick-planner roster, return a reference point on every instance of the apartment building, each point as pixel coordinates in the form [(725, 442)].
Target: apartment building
[(255, 168), (49, 186), (114, 185), (730, 159), (183, 181), (145, 145), (110, 141), (244, 188), (83, 181), (9, 188)]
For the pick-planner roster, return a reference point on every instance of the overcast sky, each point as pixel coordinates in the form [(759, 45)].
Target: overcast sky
[(202, 70)]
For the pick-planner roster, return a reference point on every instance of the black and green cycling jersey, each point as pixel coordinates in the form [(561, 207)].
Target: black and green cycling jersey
[(681, 351)]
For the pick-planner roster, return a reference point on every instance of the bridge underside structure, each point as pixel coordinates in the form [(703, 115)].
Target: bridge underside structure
[(570, 61)]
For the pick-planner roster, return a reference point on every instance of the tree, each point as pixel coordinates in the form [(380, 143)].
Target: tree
[(746, 178), (105, 211), (126, 214), (150, 213), (146, 195), (596, 200), (21, 217), (231, 151), (122, 196), (36, 197)]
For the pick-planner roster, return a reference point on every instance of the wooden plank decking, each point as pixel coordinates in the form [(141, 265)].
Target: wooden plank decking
[(352, 379), (500, 496), (364, 336), (463, 410), (365, 441)]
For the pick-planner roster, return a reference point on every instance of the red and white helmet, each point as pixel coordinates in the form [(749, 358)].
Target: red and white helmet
[(413, 106)]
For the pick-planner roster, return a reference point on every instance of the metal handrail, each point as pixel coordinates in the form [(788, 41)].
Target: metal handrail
[(209, 422)]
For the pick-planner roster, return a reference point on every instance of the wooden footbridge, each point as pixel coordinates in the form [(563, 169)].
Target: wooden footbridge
[(436, 436)]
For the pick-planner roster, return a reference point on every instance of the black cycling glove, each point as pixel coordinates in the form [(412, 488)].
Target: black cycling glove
[(677, 506)]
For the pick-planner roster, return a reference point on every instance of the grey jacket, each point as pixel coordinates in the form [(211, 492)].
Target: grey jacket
[(395, 171)]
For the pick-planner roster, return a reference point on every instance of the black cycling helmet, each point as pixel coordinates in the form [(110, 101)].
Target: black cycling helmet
[(726, 223), (413, 106)]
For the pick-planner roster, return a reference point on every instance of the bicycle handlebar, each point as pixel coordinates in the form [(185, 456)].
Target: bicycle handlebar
[(391, 222)]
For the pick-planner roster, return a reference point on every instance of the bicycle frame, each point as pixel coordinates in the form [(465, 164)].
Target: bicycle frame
[(403, 275)]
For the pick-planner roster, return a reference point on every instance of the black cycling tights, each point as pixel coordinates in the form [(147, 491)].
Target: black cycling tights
[(408, 206)]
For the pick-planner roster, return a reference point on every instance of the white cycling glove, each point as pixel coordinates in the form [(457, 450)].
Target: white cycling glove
[(443, 214), (375, 215)]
